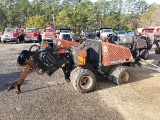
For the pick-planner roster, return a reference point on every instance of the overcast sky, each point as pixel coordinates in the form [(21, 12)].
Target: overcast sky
[(148, 1)]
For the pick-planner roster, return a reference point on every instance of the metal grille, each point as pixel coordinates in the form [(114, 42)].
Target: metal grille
[(29, 35), (117, 52)]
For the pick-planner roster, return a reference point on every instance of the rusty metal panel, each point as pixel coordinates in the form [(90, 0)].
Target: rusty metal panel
[(44, 45), (81, 60), (115, 54), (141, 43), (105, 54), (65, 43)]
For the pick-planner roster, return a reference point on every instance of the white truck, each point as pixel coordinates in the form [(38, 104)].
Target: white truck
[(105, 32), (10, 35), (65, 34)]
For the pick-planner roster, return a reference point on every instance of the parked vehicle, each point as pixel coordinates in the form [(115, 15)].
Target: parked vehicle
[(105, 32), (153, 35), (32, 35), (48, 33), (10, 35), (65, 34), (130, 32), (119, 32), (88, 34)]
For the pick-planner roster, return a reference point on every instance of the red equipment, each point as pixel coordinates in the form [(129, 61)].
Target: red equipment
[(48, 33), (153, 34), (79, 62), (32, 35), (10, 35)]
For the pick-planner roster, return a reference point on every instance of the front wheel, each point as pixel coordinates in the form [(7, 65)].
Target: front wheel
[(83, 80), (119, 75)]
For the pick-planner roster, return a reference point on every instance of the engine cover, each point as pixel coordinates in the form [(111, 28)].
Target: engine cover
[(46, 60)]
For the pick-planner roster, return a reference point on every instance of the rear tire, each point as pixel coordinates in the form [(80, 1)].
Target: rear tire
[(83, 80), (157, 51), (144, 54), (119, 75)]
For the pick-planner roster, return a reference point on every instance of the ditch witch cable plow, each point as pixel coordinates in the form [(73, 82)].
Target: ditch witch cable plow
[(79, 62)]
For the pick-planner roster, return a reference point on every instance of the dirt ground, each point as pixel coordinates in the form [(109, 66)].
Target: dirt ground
[(52, 98)]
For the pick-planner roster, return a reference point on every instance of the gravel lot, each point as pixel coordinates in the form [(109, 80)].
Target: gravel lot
[(52, 98)]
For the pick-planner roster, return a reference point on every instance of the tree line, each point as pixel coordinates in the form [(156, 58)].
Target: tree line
[(79, 14)]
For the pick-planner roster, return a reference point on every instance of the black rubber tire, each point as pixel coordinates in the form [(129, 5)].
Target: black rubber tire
[(17, 42), (144, 54), (35, 45), (118, 75), (157, 51), (83, 80)]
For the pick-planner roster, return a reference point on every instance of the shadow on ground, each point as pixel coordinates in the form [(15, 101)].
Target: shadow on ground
[(136, 74), (6, 79)]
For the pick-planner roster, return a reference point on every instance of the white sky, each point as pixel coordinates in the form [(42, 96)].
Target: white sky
[(148, 1), (152, 1)]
